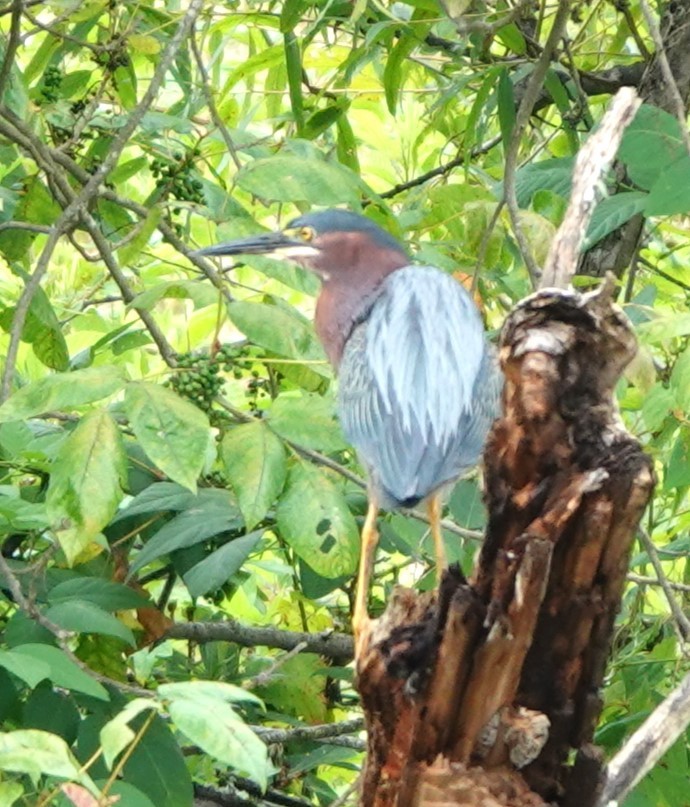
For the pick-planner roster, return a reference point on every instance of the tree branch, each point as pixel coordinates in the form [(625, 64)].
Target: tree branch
[(647, 745), (337, 646), (592, 161), (534, 87)]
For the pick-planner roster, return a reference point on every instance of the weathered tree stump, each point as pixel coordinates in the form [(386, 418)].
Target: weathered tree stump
[(478, 696)]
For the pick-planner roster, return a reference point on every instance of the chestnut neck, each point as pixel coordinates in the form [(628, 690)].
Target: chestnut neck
[(351, 273)]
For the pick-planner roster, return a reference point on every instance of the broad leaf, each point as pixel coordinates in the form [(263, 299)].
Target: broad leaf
[(314, 519), (81, 616), (62, 391), (86, 483), (40, 752), (189, 528), (173, 432), (215, 570), (106, 594), (297, 179), (218, 730), (63, 672), (309, 421), (254, 460)]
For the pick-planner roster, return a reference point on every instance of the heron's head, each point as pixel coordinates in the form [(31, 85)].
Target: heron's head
[(337, 245)]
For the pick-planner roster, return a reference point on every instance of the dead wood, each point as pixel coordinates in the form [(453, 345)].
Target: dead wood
[(480, 695)]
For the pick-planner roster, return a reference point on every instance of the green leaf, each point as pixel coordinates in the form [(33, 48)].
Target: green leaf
[(63, 391), (611, 213), (106, 594), (130, 252), (188, 529), (28, 669), (172, 431), (680, 380), (129, 795), (9, 793), (467, 506), (40, 752), (678, 468), (314, 519), (191, 690), (254, 460), (43, 330), (215, 570), (86, 482), (202, 294), (297, 179), (293, 65), (63, 672), (670, 194), (279, 331), (309, 421), (116, 734), (552, 175), (219, 731), (18, 515), (669, 325), (395, 68), (652, 142), (82, 616), (157, 767), (164, 496)]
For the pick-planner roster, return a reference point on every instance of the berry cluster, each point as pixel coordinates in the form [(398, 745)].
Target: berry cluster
[(198, 378), (50, 86), (175, 176)]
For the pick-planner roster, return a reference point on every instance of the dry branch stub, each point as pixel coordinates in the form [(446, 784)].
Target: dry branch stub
[(478, 696)]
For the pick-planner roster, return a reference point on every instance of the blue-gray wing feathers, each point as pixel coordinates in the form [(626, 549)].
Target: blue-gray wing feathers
[(418, 385)]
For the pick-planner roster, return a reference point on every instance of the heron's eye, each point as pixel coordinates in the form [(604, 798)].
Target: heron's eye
[(307, 233)]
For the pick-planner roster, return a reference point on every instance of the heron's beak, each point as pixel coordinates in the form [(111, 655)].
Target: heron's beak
[(272, 245)]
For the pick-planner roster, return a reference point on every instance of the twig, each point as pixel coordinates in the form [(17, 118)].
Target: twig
[(211, 104), (441, 170), (265, 676), (666, 71), (322, 732), (534, 87), (682, 622), (166, 350), (12, 45), (654, 581), (592, 160), (337, 646), (647, 745)]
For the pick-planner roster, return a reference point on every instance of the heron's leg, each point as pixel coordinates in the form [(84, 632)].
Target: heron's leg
[(370, 537), (434, 512)]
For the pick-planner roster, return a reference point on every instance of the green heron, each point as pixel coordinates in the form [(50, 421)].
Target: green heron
[(418, 382)]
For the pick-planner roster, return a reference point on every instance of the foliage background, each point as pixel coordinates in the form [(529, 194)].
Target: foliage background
[(177, 503)]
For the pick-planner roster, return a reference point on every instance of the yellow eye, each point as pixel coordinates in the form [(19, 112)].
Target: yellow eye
[(307, 233)]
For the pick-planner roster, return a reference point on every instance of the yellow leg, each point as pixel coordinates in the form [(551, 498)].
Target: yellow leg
[(434, 512), (370, 537)]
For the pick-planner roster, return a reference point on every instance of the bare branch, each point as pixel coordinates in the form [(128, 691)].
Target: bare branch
[(529, 99), (647, 745), (682, 622), (322, 732), (336, 646), (592, 161), (12, 45)]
